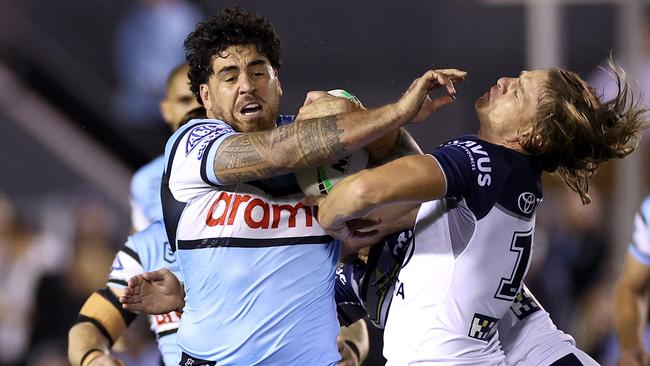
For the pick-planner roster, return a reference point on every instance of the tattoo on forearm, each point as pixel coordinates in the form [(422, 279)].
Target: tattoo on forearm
[(259, 155), (320, 141), (404, 146)]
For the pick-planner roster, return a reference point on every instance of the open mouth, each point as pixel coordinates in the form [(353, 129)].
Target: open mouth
[(251, 109)]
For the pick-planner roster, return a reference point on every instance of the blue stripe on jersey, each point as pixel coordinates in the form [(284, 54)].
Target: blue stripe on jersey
[(251, 243), (208, 169), (638, 255)]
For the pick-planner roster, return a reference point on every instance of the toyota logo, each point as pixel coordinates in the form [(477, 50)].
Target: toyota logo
[(527, 202)]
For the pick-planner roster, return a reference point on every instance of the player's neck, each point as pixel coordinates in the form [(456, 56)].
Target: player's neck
[(510, 142)]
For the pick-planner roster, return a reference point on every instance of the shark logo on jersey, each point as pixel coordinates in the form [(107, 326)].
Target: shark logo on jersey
[(527, 202), (202, 135), (483, 327)]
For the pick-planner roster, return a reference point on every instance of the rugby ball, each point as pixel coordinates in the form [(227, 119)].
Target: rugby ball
[(321, 180)]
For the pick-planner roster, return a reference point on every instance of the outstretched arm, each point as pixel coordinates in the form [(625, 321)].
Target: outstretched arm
[(631, 303), (157, 292), (406, 181), (310, 142)]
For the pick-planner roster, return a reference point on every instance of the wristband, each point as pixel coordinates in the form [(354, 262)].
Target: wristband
[(90, 356)]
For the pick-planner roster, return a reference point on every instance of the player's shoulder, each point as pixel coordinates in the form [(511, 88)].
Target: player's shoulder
[(151, 245), (489, 175), (154, 233), (147, 172), (194, 133)]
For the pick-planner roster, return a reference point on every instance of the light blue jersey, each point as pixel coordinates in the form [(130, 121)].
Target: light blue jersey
[(145, 194), (258, 269), (146, 251), (640, 246)]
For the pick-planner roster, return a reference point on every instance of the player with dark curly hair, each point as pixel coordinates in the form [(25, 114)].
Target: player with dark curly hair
[(257, 267)]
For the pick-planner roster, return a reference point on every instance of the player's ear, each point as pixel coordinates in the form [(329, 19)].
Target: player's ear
[(277, 81), (165, 110), (204, 91)]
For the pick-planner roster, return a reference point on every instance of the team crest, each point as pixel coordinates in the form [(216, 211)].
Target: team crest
[(202, 135), (483, 327)]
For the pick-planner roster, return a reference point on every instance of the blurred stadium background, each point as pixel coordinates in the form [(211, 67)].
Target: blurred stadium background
[(80, 82)]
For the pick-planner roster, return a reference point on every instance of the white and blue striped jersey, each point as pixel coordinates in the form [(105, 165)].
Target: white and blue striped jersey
[(469, 255), (258, 269), (640, 246), (145, 251), (145, 194)]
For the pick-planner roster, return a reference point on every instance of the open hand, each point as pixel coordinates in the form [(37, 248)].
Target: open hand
[(416, 104), (157, 292)]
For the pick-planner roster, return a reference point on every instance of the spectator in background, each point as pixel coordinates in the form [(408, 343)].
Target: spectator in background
[(149, 43), (59, 294), (575, 257), (21, 265)]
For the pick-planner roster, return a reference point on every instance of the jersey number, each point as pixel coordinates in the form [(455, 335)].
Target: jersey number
[(522, 245)]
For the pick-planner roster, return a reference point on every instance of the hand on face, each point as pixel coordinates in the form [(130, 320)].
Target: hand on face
[(416, 105)]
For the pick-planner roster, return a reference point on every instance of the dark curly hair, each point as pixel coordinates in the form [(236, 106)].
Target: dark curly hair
[(574, 131), (231, 27)]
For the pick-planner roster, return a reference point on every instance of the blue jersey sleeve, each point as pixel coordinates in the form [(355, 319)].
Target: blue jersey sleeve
[(458, 166), (484, 175)]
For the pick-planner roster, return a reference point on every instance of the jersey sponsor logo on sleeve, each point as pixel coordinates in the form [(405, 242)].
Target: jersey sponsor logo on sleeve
[(527, 202), (202, 135), (257, 213), (483, 327), (478, 158), (524, 305)]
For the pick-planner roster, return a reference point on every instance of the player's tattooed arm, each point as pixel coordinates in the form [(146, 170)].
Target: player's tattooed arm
[(304, 143), (403, 145), (257, 155), (311, 142)]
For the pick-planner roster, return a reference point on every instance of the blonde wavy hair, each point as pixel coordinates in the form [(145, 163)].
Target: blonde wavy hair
[(574, 131)]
